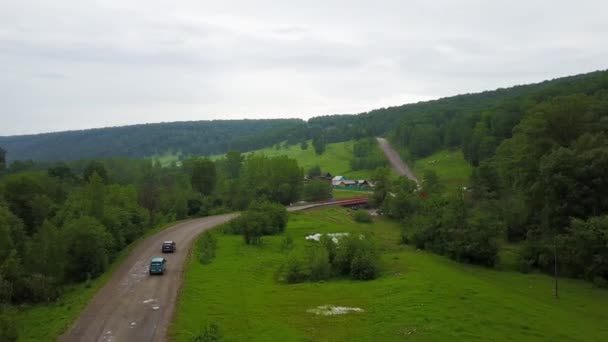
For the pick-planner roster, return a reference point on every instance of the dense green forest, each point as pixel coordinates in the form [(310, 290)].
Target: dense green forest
[(138, 141)]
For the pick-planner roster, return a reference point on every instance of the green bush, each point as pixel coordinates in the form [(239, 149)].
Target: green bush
[(8, 328), (317, 190), (362, 216), (295, 269), (287, 243), (357, 258), (318, 261), (207, 247), (365, 265)]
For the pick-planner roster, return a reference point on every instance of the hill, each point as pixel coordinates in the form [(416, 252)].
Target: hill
[(423, 127), (138, 141)]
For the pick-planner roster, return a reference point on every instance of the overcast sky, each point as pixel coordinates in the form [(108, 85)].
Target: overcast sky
[(72, 64)]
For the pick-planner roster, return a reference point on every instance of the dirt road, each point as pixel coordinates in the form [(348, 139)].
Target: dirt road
[(398, 164), (134, 306)]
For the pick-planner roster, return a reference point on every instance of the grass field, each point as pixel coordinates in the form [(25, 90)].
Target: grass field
[(47, 322), (420, 296), (335, 159), (451, 167)]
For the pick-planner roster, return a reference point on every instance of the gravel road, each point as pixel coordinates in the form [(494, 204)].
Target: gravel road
[(398, 164), (134, 306)]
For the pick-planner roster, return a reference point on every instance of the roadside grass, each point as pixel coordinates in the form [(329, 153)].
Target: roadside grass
[(451, 167), (420, 296), (45, 322), (345, 194)]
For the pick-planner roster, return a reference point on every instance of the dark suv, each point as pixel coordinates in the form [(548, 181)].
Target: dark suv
[(169, 247)]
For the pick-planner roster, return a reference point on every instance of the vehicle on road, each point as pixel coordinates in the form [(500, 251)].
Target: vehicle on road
[(158, 265), (169, 247)]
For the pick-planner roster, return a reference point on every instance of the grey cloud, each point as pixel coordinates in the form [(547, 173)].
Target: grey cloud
[(77, 64)]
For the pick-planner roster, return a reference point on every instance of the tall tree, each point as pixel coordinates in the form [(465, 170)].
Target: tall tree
[(2, 160), (95, 167), (203, 177)]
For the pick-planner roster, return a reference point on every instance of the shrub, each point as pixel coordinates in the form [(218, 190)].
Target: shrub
[(331, 247), (207, 247), (211, 333), (362, 216), (295, 269), (318, 261), (253, 227), (287, 243), (365, 265)]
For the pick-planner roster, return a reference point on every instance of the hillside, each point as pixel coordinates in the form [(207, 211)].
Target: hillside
[(138, 141), (423, 127)]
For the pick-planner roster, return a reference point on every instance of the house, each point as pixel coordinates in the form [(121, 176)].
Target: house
[(336, 180), (362, 183)]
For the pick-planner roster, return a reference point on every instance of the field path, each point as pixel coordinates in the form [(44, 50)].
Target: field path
[(398, 164)]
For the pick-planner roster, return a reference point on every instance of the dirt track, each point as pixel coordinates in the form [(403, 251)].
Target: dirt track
[(134, 306), (398, 164)]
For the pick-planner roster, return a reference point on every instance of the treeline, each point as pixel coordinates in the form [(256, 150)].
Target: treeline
[(138, 141), (62, 226)]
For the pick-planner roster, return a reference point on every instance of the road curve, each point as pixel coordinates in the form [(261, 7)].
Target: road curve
[(134, 306), (398, 164)]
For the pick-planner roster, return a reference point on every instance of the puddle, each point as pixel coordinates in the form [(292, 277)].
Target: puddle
[(330, 310)]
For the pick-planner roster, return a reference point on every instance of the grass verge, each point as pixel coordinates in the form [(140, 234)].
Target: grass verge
[(45, 322)]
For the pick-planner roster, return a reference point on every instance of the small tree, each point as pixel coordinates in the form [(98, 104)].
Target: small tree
[(207, 247), (318, 260), (304, 145), (314, 171), (362, 216)]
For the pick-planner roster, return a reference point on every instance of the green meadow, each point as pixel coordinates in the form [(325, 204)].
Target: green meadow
[(419, 296), (451, 167)]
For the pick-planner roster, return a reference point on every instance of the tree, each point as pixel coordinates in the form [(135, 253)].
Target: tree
[(88, 246), (319, 143), (203, 177), (234, 162), (314, 171), (304, 145), (431, 183), (95, 167), (317, 190)]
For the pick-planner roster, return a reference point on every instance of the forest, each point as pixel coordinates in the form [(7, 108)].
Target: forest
[(139, 141)]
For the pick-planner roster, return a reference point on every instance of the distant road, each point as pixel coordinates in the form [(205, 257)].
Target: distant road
[(398, 164), (134, 306)]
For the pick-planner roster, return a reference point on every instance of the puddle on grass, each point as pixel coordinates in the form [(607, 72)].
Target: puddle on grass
[(334, 236), (330, 310)]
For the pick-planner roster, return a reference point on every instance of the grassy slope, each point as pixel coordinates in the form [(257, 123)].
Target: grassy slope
[(46, 322), (420, 296), (335, 160), (451, 167)]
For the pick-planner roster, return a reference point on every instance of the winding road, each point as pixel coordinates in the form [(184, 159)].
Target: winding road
[(134, 306), (398, 164)]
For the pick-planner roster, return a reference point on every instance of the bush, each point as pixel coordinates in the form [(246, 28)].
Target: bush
[(318, 261), (287, 243), (295, 269), (207, 247), (357, 258), (362, 216), (211, 333), (365, 265), (253, 227)]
